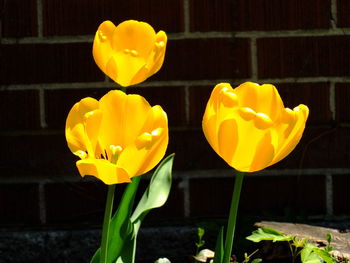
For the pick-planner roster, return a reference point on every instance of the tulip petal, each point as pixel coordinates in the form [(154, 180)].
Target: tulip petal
[(102, 49), (261, 98), (102, 169), (150, 145), (228, 138), (264, 154), (75, 131), (134, 36), (292, 138), (123, 118)]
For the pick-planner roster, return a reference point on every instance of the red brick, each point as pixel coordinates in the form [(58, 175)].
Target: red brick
[(314, 95), (64, 17), (19, 204), (303, 57), (342, 98), (18, 18), (284, 194), (193, 151), (172, 100), (341, 197), (326, 148), (19, 109), (36, 155), (45, 63), (193, 59), (259, 15), (71, 203), (260, 195), (199, 97), (343, 19)]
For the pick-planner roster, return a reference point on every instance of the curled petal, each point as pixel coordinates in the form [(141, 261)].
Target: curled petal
[(102, 169), (75, 129)]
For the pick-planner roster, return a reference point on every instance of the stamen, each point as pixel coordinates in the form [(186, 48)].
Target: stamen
[(116, 150)]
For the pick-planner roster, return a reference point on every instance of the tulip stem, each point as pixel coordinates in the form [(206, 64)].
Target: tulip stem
[(106, 223), (230, 231)]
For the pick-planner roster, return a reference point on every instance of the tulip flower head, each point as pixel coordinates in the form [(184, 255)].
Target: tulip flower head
[(130, 52), (118, 137), (249, 127)]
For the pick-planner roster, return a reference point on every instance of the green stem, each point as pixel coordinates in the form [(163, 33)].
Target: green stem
[(232, 217), (106, 223)]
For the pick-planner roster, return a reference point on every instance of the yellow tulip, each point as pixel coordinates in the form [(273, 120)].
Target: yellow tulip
[(249, 127), (130, 52), (118, 137)]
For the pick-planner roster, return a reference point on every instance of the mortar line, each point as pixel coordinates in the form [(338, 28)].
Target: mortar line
[(332, 104), (329, 194), (39, 11), (42, 203), (170, 83), (189, 35), (334, 14), (254, 59), (186, 10), (42, 110), (187, 198)]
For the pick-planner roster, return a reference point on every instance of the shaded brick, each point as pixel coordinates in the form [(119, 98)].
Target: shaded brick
[(36, 155), (325, 148), (193, 59), (18, 18), (199, 97), (341, 198), (342, 98), (284, 194), (314, 95), (80, 17), (19, 109), (259, 15), (71, 203), (278, 195), (343, 19), (172, 100), (193, 151), (303, 57), (45, 63), (19, 204)]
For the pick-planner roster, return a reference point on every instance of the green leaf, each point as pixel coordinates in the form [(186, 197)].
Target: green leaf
[(155, 196), (219, 248), (324, 255), (266, 233), (307, 255), (257, 260), (157, 192), (120, 225)]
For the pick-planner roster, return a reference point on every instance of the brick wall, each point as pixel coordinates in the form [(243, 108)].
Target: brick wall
[(46, 66)]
